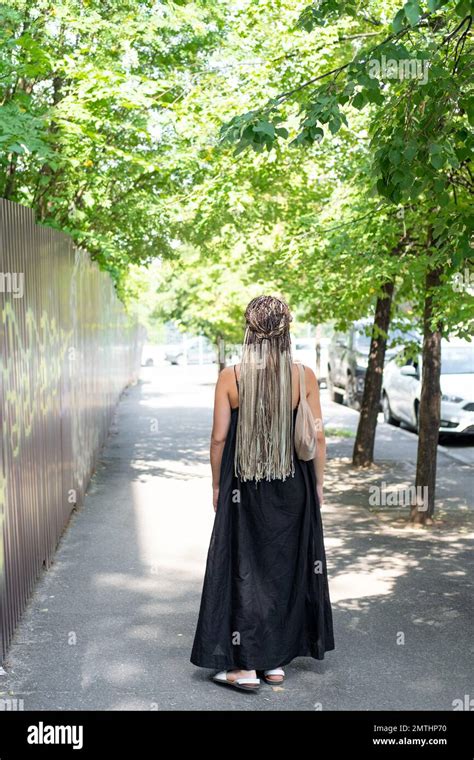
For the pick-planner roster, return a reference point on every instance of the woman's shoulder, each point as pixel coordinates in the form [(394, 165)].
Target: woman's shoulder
[(308, 370), (226, 373), (309, 374)]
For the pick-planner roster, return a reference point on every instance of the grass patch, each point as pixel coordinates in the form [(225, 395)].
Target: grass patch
[(332, 432)]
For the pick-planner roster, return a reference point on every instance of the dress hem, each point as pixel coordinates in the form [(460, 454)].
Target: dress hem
[(246, 666)]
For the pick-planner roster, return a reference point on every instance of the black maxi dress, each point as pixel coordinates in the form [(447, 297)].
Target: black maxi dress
[(265, 597)]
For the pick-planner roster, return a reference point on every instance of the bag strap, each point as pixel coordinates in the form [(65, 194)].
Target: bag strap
[(302, 382)]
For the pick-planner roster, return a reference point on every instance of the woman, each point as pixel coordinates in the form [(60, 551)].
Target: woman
[(265, 598)]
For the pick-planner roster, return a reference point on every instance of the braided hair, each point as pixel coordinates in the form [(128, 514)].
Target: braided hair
[(264, 439)]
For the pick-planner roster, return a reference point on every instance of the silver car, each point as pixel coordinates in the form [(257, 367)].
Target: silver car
[(402, 388)]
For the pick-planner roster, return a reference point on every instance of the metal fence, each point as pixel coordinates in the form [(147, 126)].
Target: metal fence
[(67, 350)]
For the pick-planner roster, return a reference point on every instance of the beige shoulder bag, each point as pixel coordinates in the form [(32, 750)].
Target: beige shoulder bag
[(305, 424)]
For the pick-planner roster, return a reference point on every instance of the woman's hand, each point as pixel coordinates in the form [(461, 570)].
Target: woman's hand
[(215, 496), (319, 491)]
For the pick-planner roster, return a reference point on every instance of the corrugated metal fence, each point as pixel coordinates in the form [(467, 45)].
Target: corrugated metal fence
[(67, 350)]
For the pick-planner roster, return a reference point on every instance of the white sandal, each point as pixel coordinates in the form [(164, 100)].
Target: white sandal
[(239, 683), (274, 672)]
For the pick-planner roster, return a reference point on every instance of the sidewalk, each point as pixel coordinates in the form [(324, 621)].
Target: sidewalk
[(111, 624)]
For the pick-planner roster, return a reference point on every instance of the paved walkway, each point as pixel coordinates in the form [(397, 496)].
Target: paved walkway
[(110, 625)]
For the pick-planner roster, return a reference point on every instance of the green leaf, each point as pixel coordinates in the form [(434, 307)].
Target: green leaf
[(359, 100), (457, 258), (463, 8), (437, 160), (412, 12), (317, 133), (395, 156), (16, 148), (374, 96), (468, 105), (265, 128), (382, 187), (398, 21), (410, 151)]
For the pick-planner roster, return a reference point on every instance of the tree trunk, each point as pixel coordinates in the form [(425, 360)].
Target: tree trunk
[(318, 351), (429, 413), (220, 352), (11, 171), (10, 177), (363, 455), (43, 193)]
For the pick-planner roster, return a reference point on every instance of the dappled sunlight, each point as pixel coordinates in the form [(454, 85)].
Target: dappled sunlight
[(141, 584), (356, 585), (348, 487), (117, 671), (116, 674), (170, 468), (333, 543), (455, 573), (371, 575), (170, 525)]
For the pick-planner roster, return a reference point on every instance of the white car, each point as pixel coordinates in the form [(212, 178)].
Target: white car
[(304, 351), (194, 351), (402, 388)]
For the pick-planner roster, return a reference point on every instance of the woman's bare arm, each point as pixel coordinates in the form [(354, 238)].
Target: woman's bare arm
[(220, 429), (314, 401)]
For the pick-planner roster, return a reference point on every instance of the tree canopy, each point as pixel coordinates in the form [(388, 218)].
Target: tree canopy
[(320, 159)]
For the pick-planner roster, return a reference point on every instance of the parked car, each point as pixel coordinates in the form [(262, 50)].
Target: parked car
[(195, 351), (348, 357), (152, 354), (402, 388), (304, 350)]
